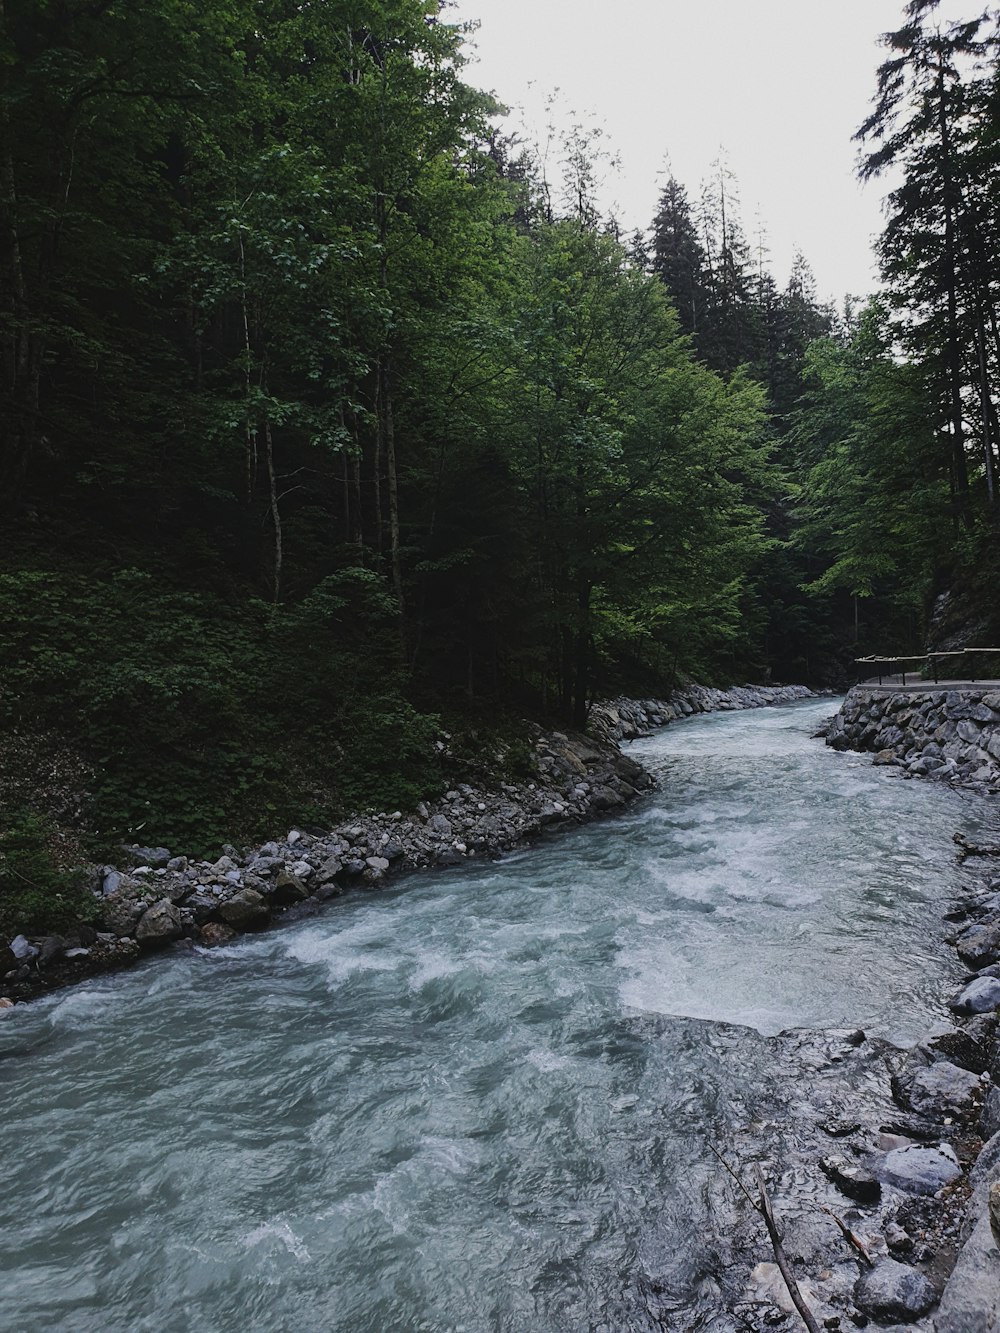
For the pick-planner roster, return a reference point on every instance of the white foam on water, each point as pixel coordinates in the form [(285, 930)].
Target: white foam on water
[(277, 1232)]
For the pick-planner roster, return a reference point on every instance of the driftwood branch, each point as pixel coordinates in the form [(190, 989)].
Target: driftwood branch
[(850, 1237), (798, 1300), (762, 1205)]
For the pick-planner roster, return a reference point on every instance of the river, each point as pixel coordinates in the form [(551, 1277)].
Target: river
[(482, 1100)]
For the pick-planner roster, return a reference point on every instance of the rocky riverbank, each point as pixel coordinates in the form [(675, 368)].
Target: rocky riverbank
[(952, 735), (883, 1164), (154, 899)]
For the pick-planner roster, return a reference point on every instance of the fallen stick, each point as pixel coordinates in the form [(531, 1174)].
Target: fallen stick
[(850, 1237), (763, 1206), (798, 1300)]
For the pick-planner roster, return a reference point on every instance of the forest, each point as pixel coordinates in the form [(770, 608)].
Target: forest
[(335, 421)]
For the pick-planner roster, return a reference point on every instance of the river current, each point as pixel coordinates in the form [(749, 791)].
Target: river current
[(482, 1101)]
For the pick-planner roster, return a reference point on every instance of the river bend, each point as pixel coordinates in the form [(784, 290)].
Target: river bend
[(481, 1100)]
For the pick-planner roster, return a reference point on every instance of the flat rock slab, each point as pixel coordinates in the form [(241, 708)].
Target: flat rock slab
[(919, 1170), (893, 1291)]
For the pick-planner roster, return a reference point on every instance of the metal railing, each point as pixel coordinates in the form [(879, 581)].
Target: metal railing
[(929, 660)]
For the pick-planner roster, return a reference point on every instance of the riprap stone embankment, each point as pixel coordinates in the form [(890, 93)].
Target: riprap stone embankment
[(952, 734)]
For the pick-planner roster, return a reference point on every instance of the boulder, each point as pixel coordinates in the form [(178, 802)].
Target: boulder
[(159, 925), (920, 1170), (119, 913), (246, 910), (981, 996), (329, 870), (214, 933), (979, 945), (287, 889), (149, 856), (22, 949), (938, 1090), (894, 1291), (960, 1047)]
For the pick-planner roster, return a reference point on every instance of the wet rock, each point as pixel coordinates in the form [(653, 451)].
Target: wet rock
[(606, 798), (981, 996), (246, 910), (961, 1047), (448, 856), (852, 1179), (989, 1121), (893, 1291), (214, 933), (920, 1170), (979, 945), (938, 1090), (159, 925), (840, 1129)]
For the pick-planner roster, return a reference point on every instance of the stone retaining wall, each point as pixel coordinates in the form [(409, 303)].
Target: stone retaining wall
[(951, 734)]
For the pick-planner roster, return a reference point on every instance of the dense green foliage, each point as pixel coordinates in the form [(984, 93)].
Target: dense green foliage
[(36, 892), (321, 422)]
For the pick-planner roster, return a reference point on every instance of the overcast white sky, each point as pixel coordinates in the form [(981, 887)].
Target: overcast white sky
[(780, 84)]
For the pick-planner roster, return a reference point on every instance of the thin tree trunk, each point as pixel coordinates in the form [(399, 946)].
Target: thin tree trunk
[(390, 462), (275, 511)]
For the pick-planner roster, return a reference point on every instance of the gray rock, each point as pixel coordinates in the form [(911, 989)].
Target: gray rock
[(329, 870), (377, 863), (448, 856), (178, 864), (112, 881), (214, 933), (971, 1299), (941, 1089), (920, 1170), (989, 1121), (439, 824), (852, 1179), (247, 910), (119, 913), (159, 924), (22, 949), (892, 1290), (979, 945), (53, 947), (981, 996), (959, 1046), (287, 889), (152, 856)]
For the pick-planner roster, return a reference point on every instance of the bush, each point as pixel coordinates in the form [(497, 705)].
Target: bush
[(35, 893)]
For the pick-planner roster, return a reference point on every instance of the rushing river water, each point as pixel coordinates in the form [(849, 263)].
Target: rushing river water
[(480, 1101)]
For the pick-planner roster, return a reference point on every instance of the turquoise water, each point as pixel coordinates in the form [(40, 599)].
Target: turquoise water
[(481, 1100)]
